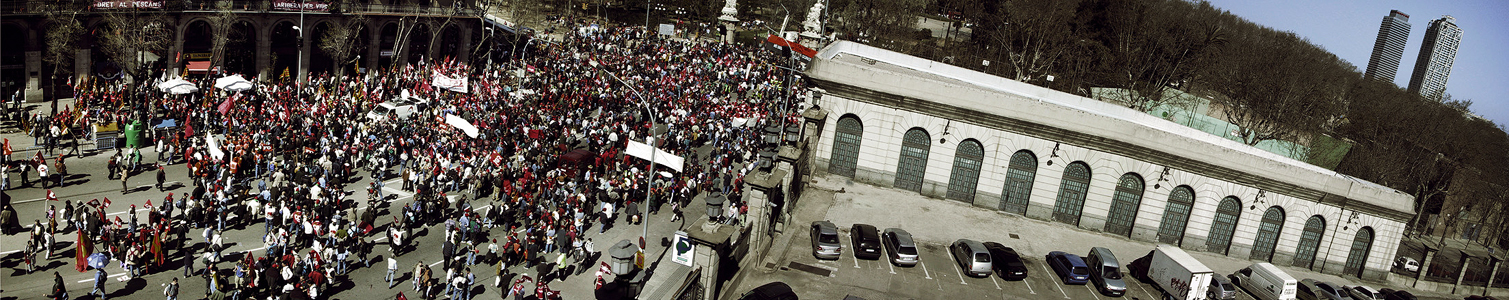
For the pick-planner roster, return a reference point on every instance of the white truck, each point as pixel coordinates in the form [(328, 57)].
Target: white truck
[(1174, 272)]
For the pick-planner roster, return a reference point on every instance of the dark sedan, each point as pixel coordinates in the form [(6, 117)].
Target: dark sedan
[(1008, 265)]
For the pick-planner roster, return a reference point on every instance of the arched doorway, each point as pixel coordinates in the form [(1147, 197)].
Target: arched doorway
[(449, 43), (385, 51), (1309, 241), (1071, 193), (198, 48), (1176, 215), (1358, 257), (319, 58), (12, 59), (1267, 235), (966, 175), (913, 162), (419, 43), (285, 51), (1224, 225), (1018, 188), (846, 140), (1124, 205), (241, 49)]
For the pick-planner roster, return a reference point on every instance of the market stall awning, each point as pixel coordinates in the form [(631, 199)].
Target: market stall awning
[(198, 66)]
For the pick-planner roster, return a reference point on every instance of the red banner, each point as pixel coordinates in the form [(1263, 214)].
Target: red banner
[(127, 4), (291, 5)]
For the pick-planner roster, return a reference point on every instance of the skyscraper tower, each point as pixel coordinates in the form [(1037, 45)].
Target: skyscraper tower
[(1436, 56), (1392, 36)]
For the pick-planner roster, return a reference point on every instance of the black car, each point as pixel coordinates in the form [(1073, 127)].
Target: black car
[(866, 241), (770, 291), (1008, 265)]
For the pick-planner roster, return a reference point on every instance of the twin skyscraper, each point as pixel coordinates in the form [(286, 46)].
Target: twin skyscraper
[(1437, 54)]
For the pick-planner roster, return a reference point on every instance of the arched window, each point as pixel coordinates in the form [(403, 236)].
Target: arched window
[(966, 174), (1267, 234), (1309, 241), (1124, 205), (1019, 176), (1071, 193), (846, 140), (1361, 245), (913, 162), (1224, 225), (1176, 215)]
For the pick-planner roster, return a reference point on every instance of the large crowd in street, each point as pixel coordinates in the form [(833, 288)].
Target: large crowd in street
[(545, 168)]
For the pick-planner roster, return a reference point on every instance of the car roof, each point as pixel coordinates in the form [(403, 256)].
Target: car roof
[(972, 244), (825, 227), (1073, 259), (998, 247), (903, 238)]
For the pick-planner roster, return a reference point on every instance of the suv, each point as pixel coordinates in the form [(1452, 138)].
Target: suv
[(866, 241), (825, 240), (972, 257), (899, 245)]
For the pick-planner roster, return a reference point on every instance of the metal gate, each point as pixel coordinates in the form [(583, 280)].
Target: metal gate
[(1176, 216), (913, 162), (1267, 234), (1309, 241), (1071, 193), (1224, 225), (1124, 205), (1019, 176), (966, 175), (846, 140), (1358, 257)]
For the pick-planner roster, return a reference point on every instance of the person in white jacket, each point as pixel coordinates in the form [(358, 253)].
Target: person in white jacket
[(392, 268)]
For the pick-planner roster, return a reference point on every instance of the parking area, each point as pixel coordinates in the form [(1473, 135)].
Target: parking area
[(936, 276)]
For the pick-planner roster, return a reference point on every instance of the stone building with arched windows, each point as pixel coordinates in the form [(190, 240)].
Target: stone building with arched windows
[(889, 119)]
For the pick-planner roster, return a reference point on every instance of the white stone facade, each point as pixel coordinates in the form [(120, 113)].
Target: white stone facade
[(891, 94)]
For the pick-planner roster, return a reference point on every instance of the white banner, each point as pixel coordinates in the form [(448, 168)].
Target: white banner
[(462, 124), (642, 150), (453, 84), (684, 249), (214, 146)]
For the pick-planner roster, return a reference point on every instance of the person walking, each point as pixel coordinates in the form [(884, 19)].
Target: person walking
[(59, 290), (170, 289), (392, 268), (162, 176), (125, 173), (42, 174), (99, 283)]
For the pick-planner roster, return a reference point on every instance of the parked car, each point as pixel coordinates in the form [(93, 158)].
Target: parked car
[(1221, 289), (1390, 294), (1309, 289), (1006, 262), (1265, 282), (866, 241), (825, 240), (1105, 272), (972, 257), (1480, 297), (899, 245), (401, 110), (1407, 263), (1069, 267), (770, 291), (1358, 292)]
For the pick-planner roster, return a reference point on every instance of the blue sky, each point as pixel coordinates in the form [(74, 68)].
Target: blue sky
[(1348, 28)]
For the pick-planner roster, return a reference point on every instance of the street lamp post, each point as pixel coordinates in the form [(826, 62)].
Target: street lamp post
[(650, 175)]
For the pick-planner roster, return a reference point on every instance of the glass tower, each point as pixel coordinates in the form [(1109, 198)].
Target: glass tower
[(1436, 56), (1392, 36)]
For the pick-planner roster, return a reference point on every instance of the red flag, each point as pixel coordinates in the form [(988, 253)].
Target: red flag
[(51, 196), (7, 147), (107, 203), (225, 107), (149, 204)]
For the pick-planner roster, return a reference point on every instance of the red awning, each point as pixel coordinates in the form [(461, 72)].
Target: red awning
[(199, 66), (798, 48)]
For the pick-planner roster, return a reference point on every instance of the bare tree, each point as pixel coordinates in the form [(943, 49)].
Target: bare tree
[(220, 32), (1156, 45), (131, 35), (63, 29), (880, 23), (1276, 86), (1032, 35), (341, 42)]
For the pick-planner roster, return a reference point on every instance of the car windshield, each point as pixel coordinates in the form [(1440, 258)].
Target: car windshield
[(380, 110), (982, 257), (827, 238), (1227, 286), (907, 250), (1111, 273)]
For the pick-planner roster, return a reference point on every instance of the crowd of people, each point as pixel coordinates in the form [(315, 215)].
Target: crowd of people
[(546, 165)]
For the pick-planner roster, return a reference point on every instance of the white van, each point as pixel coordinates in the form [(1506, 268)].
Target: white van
[(1265, 281)]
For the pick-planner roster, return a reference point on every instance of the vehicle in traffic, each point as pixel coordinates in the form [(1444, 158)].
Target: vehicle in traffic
[(825, 240), (1174, 272), (971, 256), (1069, 267), (1006, 262), (1407, 263), (1359, 292), (899, 246), (1309, 289), (770, 291), (1221, 289), (1105, 272), (1265, 282), (866, 241)]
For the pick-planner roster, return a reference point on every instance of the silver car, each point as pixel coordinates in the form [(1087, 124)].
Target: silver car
[(899, 246), (825, 240), (972, 257), (1362, 292)]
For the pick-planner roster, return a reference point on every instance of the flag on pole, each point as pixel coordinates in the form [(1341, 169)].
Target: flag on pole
[(7, 147), (51, 196)]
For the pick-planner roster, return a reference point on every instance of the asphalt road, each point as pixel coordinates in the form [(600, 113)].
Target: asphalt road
[(88, 181)]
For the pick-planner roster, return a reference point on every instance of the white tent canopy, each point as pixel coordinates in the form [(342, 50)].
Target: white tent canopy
[(642, 150), (462, 124), (233, 83), (177, 86)]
